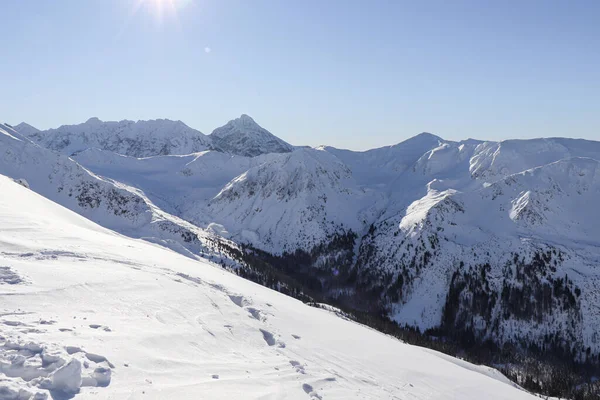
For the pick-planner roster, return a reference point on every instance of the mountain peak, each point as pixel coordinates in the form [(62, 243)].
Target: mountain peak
[(25, 129), (420, 143), (246, 118), (243, 136), (93, 120), (426, 136), (244, 122)]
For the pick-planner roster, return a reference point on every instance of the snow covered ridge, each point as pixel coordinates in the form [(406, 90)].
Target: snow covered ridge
[(241, 136), (136, 139), (113, 204), (497, 159), (292, 201), (97, 315)]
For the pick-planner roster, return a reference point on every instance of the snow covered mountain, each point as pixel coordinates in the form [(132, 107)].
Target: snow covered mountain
[(294, 201), (494, 160), (136, 139), (495, 240), (271, 201), (425, 230), (25, 129), (89, 313), (382, 165), (514, 261), (243, 136), (112, 204)]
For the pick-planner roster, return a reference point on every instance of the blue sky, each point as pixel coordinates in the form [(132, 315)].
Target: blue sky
[(353, 74)]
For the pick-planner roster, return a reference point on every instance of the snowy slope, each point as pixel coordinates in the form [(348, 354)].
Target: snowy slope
[(382, 165), (181, 184), (136, 139), (506, 250), (112, 204), (276, 202), (243, 136), (493, 160), (297, 200), (89, 313)]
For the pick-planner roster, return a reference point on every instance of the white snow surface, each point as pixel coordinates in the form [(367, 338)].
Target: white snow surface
[(136, 139), (101, 316), (381, 166)]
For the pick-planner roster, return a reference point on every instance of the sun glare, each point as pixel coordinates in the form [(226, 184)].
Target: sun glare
[(162, 8), (172, 4)]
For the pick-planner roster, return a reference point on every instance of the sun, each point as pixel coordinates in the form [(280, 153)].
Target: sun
[(163, 12), (173, 4), (162, 8)]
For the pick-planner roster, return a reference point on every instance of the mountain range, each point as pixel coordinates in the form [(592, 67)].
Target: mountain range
[(240, 136), (494, 240), (88, 313)]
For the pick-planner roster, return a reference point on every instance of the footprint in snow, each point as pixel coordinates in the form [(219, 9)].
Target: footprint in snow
[(269, 338), (297, 366), (256, 314), (308, 389), (98, 359), (238, 300), (13, 323), (244, 303), (97, 326), (9, 277), (73, 349)]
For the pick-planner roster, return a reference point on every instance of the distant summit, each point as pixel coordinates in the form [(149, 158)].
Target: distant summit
[(25, 129), (93, 120), (243, 136), (130, 138)]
